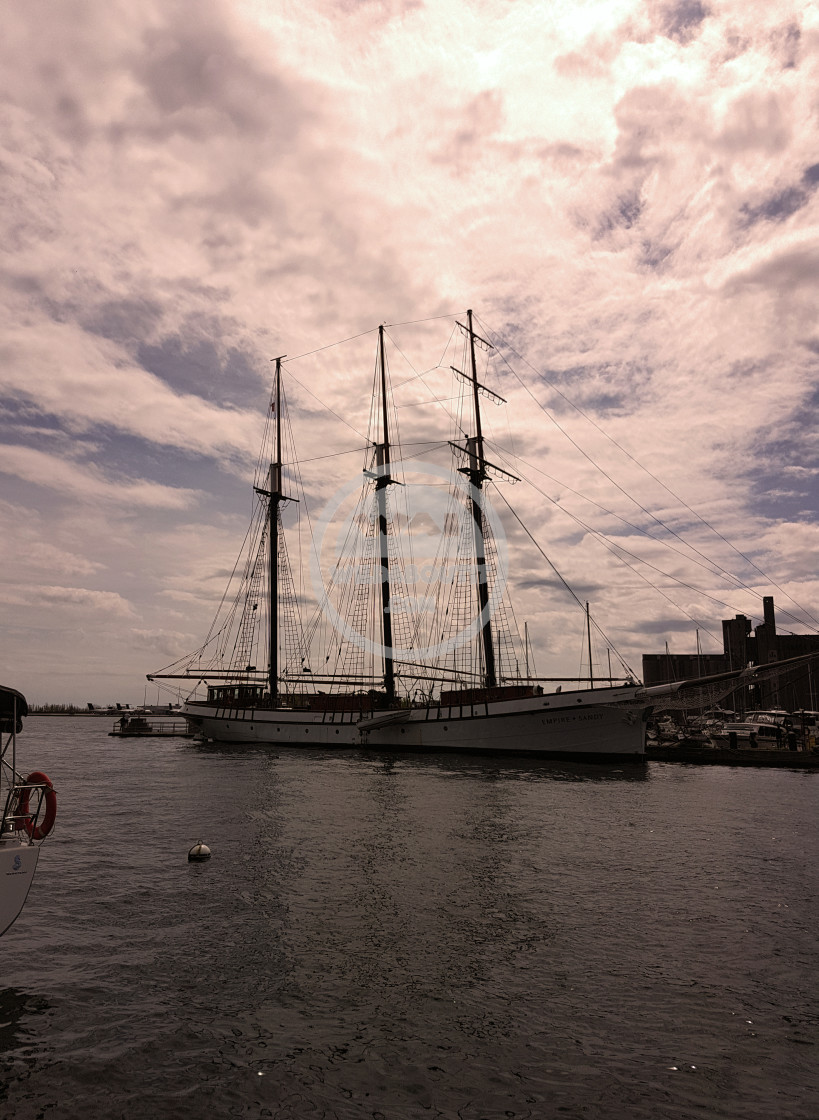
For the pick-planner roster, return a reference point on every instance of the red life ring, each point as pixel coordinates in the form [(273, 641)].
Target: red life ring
[(37, 778)]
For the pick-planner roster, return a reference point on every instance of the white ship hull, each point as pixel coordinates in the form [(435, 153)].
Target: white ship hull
[(587, 724), (18, 862)]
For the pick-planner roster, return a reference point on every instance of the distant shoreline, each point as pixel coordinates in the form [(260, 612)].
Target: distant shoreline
[(114, 713)]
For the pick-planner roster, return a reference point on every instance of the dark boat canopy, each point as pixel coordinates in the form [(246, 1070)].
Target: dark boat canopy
[(11, 699)]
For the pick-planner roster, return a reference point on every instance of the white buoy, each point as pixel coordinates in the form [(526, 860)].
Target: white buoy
[(199, 853)]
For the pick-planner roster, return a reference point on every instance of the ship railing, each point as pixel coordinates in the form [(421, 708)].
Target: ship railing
[(136, 726), (16, 822)]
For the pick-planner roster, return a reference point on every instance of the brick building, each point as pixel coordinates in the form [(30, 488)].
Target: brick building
[(742, 645)]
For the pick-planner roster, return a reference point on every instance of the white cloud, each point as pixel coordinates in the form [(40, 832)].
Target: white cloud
[(161, 643), (99, 387), (88, 484), (71, 599)]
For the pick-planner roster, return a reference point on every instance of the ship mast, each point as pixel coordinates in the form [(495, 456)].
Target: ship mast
[(275, 498), (383, 480), (477, 474)]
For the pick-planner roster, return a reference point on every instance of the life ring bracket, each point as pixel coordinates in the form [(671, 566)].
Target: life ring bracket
[(38, 830)]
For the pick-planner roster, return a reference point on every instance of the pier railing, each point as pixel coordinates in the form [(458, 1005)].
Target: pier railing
[(138, 726)]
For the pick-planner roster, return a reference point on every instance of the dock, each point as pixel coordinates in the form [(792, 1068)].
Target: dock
[(726, 756), (137, 727)]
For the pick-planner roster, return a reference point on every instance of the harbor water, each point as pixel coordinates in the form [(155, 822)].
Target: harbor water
[(415, 936)]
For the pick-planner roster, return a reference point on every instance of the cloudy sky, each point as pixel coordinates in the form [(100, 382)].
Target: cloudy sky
[(627, 192)]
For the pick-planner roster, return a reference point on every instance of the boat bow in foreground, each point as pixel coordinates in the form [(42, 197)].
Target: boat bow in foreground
[(29, 808)]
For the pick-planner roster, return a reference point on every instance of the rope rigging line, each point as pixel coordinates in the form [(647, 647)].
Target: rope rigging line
[(516, 460), (326, 406), (560, 576), (631, 498), (329, 346), (431, 319), (333, 455), (420, 376), (617, 549)]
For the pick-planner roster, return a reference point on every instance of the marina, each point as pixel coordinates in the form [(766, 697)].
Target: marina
[(722, 756)]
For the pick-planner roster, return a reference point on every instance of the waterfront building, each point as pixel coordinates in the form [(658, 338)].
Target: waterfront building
[(745, 644)]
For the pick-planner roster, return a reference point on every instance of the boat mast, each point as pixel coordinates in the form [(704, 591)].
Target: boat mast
[(588, 638), (275, 498), (477, 475), (383, 481)]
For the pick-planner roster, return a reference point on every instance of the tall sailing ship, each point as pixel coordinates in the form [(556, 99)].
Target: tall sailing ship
[(376, 665)]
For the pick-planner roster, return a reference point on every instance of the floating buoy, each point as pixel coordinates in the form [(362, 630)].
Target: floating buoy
[(199, 853)]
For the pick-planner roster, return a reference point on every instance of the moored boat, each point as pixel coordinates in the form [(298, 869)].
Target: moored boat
[(588, 723), (138, 727), (29, 808), (774, 729)]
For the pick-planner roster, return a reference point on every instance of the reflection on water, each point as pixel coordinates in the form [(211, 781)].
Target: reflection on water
[(516, 768), (14, 1006), (21, 1019)]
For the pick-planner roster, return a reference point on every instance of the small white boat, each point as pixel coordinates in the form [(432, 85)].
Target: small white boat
[(774, 729), (29, 807)]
